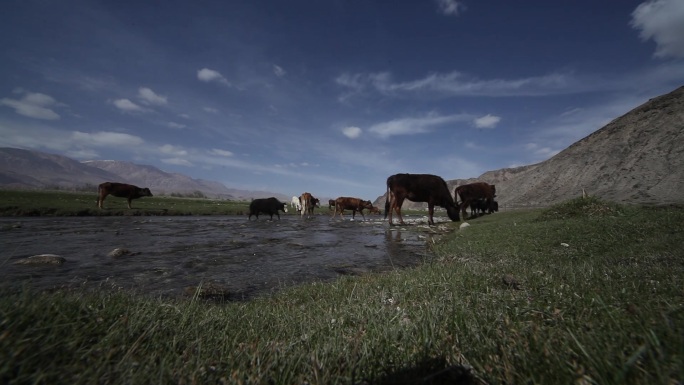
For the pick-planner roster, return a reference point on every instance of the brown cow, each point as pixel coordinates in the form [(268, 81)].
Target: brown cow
[(331, 204), (471, 193), (121, 190), (375, 210), (354, 204), (308, 204), (419, 188)]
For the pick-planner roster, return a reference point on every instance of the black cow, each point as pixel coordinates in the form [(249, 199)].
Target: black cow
[(121, 190), (268, 206), (419, 188)]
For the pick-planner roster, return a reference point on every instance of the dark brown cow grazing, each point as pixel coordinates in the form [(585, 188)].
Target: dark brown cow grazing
[(471, 193), (308, 204), (375, 210), (354, 204), (120, 190), (419, 188), (268, 206)]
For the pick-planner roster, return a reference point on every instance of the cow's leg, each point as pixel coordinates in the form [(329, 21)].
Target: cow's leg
[(431, 211), (100, 200), (129, 203), (397, 206)]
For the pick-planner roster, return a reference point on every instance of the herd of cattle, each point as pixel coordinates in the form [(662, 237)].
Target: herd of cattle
[(427, 188)]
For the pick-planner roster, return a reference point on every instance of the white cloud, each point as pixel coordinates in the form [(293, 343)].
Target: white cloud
[(351, 132), (106, 139), (208, 75), (150, 97), (176, 125), (662, 21), (210, 109), (216, 151), (412, 126), (33, 105), (487, 121), (450, 7), (278, 71), (127, 106)]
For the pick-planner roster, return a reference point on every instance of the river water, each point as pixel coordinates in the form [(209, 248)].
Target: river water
[(169, 256)]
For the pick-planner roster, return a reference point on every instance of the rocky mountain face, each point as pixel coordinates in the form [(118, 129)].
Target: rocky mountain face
[(637, 158)]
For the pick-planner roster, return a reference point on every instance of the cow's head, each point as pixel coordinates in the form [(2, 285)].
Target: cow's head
[(146, 192)]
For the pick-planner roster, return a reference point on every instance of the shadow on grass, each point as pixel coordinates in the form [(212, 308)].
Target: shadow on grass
[(430, 371)]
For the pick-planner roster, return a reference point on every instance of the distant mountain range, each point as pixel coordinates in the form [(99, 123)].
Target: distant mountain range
[(637, 158), (26, 169)]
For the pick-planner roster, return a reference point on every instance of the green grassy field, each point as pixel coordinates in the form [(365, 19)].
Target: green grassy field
[(586, 292)]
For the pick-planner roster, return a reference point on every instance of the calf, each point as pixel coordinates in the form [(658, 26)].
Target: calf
[(121, 190), (354, 204), (308, 204), (268, 206), (470, 193), (419, 188)]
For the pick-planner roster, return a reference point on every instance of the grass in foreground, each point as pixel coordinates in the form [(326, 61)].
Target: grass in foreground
[(569, 294)]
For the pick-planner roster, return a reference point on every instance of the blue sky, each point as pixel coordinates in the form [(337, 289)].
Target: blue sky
[(329, 97)]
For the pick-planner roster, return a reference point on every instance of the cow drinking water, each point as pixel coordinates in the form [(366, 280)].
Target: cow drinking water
[(120, 190), (419, 188), (268, 206)]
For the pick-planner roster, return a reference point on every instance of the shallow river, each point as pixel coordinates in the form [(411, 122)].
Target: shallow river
[(169, 255)]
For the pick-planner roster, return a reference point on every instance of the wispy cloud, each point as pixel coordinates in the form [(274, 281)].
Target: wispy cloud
[(450, 7), (33, 105), (106, 139), (662, 21), (208, 75), (177, 162), (458, 84), (278, 71), (219, 152), (413, 126), (169, 149)]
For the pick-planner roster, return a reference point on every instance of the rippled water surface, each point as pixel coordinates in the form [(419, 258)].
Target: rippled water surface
[(170, 254)]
